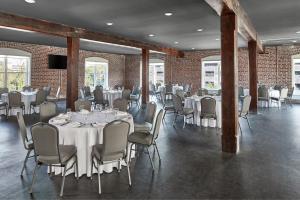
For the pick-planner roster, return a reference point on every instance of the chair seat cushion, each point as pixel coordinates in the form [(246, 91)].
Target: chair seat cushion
[(188, 111), (140, 138), (145, 127), (98, 152)]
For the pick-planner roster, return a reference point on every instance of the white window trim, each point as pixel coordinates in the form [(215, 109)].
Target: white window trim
[(101, 61), (203, 74)]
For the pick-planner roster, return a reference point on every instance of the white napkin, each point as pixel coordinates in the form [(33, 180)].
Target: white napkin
[(58, 121), (83, 111), (75, 124)]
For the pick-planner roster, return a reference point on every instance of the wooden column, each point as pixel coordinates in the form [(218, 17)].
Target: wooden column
[(252, 50), (145, 76), (72, 71), (230, 142)]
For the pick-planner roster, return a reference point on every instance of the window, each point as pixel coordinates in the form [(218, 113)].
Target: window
[(156, 72), (211, 75), (296, 76), (14, 71), (96, 72)]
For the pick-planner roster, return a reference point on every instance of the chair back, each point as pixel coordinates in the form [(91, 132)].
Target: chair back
[(169, 88), (40, 97), (27, 88), (47, 90), (46, 140), (177, 103), (87, 91), (98, 97), (126, 94), (150, 112), (291, 92), (99, 87), (180, 93), (241, 91), (208, 106), (3, 90), (121, 104), (14, 99), (115, 136), (82, 104), (263, 91), (163, 96), (202, 92), (118, 86), (23, 130), (245, 105), (277, 87), (47, 111), (135, 90), (155, 130), (284, 93)]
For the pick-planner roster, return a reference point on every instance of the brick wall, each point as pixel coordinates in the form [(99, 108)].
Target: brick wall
[(274, 66), (42, 76)]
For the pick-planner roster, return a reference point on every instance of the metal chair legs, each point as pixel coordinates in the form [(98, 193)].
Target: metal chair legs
[(155, 145), (150, 158), (128, 172), (99, 180), (63, 182), (248, 122), (33, 178), (25, 161)]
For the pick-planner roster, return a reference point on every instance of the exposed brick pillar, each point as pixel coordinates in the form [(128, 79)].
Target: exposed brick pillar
[(230, 142), (72, 71), (145, 75), (252, 50)]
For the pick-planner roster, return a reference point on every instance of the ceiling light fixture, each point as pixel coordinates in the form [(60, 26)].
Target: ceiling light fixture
[(111, 44), (199, 29), (15, 29), (151, 35), (217, 39), (298, 32), (109, 23), (168, 14), (176, 42), (193, 48), (294, 41), (30, 1)]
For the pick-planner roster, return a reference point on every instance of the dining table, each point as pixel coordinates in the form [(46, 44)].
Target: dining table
[(85, 129), (112, 95), (27, 98), (195, 103), (271, 93)]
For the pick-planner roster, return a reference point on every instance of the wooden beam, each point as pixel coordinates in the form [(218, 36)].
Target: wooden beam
[(51, 28), (252, 50), (229, 74), (145, 75), (245, 26), (72, 71)]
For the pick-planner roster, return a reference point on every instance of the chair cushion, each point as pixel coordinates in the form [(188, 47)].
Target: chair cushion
[(97, 151), (145, 127), (140, 138), (188, 111)]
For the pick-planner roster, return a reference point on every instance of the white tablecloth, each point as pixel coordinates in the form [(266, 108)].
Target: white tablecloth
[(272, 93), (194, 102), (27, 98), (86, 136), (111, 95)]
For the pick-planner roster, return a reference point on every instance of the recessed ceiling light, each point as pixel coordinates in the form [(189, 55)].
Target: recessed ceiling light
[(30, 1), (217, 39), (168, 14), (109, 23), (176, 42), (294, 41), (298, 32), (199, 29), (193, 48), (151, 35)]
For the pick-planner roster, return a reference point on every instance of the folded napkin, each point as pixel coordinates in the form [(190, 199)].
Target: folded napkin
[(83, 111), (58, 121), (62, 116), (75, 124)]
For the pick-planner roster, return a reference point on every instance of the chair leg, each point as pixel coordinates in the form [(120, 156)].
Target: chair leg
[(150, 158), (33, 178), (76, 165), (184, 121), (129, 160), (128, 171), (248, 122), (99, 181), (240, 128), (63, 182), (119, 165), (92, 165), (25, 161), (164, 116), (175, 119), (155, 145)]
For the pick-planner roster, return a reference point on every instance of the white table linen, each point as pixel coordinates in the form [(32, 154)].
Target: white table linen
[(111, 95), (27, 98), (195, 103), (84, 131), (272, 93), (174, 88)]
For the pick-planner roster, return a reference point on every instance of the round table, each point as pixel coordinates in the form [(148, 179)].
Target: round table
[(84, 131), (27, 98), (195, 103), (111, 95)]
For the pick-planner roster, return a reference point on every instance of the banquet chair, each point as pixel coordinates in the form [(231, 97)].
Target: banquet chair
[(27, 88), (120, 104), (243, 113), (87, 93), (15, 101), (99, 98), (219, 92), (118, 86), (135, 98), (28, 144), (187, 113), (126, 94), (47, 89), (3, 106), (278, 87), (114, 148), (99, 87), (147, 139), (202, 92), (208, 109), (82, 104), (180, 93), (41, 96), (241, 92), (169, 90), (47, 111), (290, 96), (50, 153), (3, 91), (149, 118), (168, 105), (282, 98), (263, 94)]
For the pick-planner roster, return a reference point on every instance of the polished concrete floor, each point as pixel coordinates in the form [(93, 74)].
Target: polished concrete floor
[(193, 166)]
